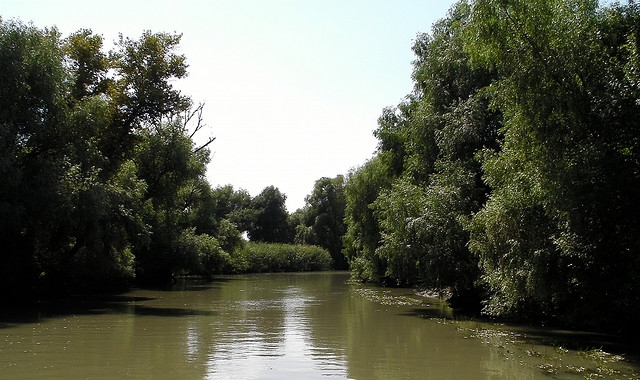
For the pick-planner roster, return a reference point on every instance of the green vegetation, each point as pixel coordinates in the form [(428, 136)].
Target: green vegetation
[(509, 177), (321, 221), (510, 174), (552, 360), (278, 257), (269, 222), (103, 184)]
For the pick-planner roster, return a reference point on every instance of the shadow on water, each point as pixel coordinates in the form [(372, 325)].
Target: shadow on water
[(432, 312), (533, 335), (191, 284), (141, 310), (577, 340), (104, 304)]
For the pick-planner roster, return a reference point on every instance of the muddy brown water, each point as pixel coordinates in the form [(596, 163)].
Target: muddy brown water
[(288, 326)]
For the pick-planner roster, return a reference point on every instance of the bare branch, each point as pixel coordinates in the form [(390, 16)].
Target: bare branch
[(190, 114), (199, 125), (211, 139)]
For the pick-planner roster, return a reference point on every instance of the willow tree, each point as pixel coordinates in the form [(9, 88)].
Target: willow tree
[(558, 237), (32, 113), (362, 237), (429, 144), (321, 221)]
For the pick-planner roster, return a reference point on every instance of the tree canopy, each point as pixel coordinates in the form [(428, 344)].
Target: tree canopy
[(510, 174), (100, 174), (321, 221)]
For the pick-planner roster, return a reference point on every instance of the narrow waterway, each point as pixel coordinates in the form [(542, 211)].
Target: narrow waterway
[(287, 326)]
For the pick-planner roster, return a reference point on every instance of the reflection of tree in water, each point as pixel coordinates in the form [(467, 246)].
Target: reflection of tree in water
[(288, 326), (269, 325), (249, 329), (387, 340), (316, 325)]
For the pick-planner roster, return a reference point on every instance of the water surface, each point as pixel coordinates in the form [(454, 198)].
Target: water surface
[(286, 326)]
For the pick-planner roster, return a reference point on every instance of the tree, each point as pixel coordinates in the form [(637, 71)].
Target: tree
[(557, 237), (141, 89), (232, 205), (433, 180), (31, 116), (104, 223), (363, 186), (69, 222), (83, 192), (174, 174), (270, 224), (145, 69), (322, 219), (88, 63), (224, 214)]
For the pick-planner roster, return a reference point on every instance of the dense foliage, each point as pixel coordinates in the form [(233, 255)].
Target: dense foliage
[(102, 182), (321, 221), (100, 175), (565, 199), (406, 208), (269, 222), (279, 257), (511, 172)]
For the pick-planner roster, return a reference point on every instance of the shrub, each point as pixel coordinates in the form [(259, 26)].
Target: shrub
[(266, 257), (202, 254)]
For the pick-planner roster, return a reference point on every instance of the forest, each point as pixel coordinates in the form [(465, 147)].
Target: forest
[(508, 179)]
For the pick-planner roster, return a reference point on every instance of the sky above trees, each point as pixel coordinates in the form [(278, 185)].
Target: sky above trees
[(293, 89)]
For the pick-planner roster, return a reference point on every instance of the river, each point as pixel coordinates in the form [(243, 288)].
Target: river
[(287, 326)]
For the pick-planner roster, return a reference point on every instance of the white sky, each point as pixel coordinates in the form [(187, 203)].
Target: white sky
[(293, 89)]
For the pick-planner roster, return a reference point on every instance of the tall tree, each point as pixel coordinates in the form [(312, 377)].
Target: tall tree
[(32, 112), (173, 174), (429, 143), (558, 236), (74, 126), (270, 224), (322, 221), (363, 186)]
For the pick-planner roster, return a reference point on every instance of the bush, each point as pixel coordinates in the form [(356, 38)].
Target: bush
[(266, 257), (202, 254)]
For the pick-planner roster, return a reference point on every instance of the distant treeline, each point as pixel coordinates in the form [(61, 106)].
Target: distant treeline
[(511, 173)]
